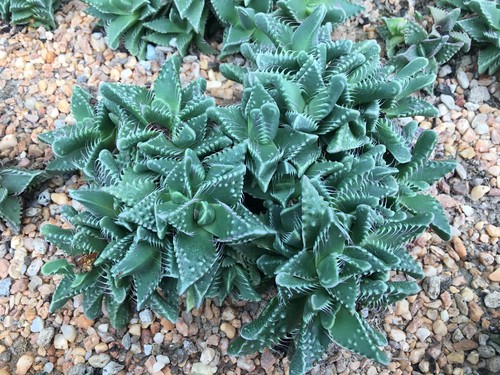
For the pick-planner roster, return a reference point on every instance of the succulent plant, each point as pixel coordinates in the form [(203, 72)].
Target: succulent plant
[(177, 23), (406, 40), (77, 147), (165, 206), (240, 20), (482, 24), (31, 12), (342, 183), (13, 183), (309, 182), (335, 103)]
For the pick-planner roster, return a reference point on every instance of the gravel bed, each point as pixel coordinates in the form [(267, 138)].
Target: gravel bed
[(451, 326)]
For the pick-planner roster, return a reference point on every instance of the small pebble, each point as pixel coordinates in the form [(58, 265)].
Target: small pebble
[(492, 300), (99, 361), (24, 364), (37, 324)]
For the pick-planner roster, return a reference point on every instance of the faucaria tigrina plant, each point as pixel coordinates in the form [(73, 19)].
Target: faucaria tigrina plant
[(13, 183), (32, 12), (177, 23), (406, 39), (309, 182), (481, 22), (164, 208)]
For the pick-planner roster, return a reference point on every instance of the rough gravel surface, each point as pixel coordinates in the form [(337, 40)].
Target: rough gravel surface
[(450, 327)]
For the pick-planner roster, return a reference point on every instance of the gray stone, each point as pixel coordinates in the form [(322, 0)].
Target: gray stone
[(422, 333), (471, 106), (483, 339), (79, 369), (448, 101), (32, 211), (479, 119), (150, 53), (112, 368), (58, 124), (34, 267), (34, 283), (126, 341), (457, 336), (492, 300), (99, 360), (43, 198), (5, 287), (146, 316), (3, 250), (486, 351), (462, 79), (40, 245), (146, 65), (493, 364), (432, 286), (30, 103), (479, 94), (461, 305), (461, 171), (163, 359), (444, 71), (82, 78), (45, 336), (37, 324)]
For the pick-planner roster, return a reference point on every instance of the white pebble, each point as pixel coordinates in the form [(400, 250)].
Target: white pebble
[(69, 332), (422, 333), (158, 338), (163, 359), (37, 324), (157, 367), (49, 366), (60, 342)]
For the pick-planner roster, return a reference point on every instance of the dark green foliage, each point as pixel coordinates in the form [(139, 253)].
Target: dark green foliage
[(13, 183), (178, 23), (30, 12), (308, 182), (165, 208), (481, 22), (406, 40)]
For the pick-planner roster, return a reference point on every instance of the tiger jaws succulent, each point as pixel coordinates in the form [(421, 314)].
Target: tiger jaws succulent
[(178, 23), (30, 12), (343, 184), (481, 22), (165, 206), (406, 40), (309, 183), (13, 183)]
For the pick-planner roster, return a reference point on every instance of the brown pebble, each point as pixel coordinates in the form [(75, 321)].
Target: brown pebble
[(228, 329), (495, 275), (84, 323), (465, 345), (459, 247)]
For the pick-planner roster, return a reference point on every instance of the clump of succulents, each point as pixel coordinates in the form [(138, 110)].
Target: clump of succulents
[(178, 23), (239, 19), (406, 40), (343, 184), (308, 183), (30, 12), (13, 183), (482, 23), (165, 208)]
